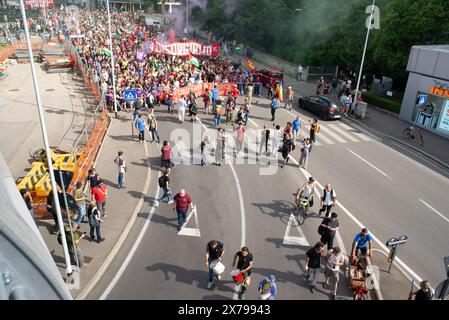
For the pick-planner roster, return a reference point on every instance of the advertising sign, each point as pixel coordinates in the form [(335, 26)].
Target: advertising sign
[(29, 4), (444, 120)]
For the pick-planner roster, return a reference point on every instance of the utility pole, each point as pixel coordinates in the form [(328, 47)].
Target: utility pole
[(187, 17), (46, 144), (112, 62)]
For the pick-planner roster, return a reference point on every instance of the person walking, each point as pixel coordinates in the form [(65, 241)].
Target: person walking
[(289, 130), (51, 207), (239, 138), (92, 178), (287, 147), (297, 125), (244, 265), (276, 141), (299, 74), (314, 129), (249, 92), (182, 202), (165, 183), (80, 202), (140, 125), (182, 105), (121, 167), (100, 193), (214, 252), (264, 138), (215, 93), (73, 241), (305, 149), (95, 221), (363, 243), (328, 199), (218, 111), (274, 107), (328, 229), (313, 262), (220, 146), (289, 99), (152, 127), (207, 97), (425, 292), (334, 261), (204, 153), (230, 106), (28, 201), (166, 155), (268, 288)]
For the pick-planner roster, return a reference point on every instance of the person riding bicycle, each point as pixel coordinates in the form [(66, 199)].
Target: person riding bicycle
[(304, 195)]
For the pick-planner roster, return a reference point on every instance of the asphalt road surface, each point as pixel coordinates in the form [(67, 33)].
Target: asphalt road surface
[(378, 186)]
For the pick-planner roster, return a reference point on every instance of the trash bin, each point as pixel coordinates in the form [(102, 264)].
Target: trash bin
[(360, 109)]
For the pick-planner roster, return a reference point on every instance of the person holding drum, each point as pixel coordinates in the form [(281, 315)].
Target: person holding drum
[(212, 259)]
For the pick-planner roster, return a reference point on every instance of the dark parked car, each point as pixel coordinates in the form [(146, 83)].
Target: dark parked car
[(322, 106)]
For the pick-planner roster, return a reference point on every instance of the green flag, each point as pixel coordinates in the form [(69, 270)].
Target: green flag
[(195, 62), (107, 52), (155, 66)]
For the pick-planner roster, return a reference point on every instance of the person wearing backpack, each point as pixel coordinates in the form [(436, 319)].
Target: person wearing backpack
[(328, 199), (95, 221), (314, 129), (152, 127), (327, 230), (164, 184), (268, 288), (121, 164)]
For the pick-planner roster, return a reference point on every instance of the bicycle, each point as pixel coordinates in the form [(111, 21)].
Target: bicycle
[(300, 210), (413, 132)]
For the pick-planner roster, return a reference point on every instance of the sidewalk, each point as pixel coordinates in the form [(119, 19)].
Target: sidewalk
[(120, 205), (384, 123)]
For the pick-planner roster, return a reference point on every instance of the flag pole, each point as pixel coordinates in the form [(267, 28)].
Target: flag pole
[(112, 61), (46, 144)]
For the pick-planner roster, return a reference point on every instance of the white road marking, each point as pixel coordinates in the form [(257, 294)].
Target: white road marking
[(192, 232), (288, 239), (253, 122), (434, 210), (131, 252), (343, 133), (243, 221), (333, 135), (370, 164), (320, 136), (430, 163), (361, 226), (356, 133)]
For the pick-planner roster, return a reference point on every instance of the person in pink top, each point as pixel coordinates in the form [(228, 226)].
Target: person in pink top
[(166, 155), (239, 138)]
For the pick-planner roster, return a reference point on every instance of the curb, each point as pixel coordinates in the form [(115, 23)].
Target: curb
[(442, 163)]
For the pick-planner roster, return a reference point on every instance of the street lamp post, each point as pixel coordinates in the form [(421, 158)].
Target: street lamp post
[(363, 57), (46, 144), (187, 17), (112, 61)]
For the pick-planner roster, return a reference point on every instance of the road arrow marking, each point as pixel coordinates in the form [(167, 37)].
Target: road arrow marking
[(301, 240), (191, 232)]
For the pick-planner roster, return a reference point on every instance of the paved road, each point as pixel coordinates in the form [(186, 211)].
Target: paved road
[(375, 183)]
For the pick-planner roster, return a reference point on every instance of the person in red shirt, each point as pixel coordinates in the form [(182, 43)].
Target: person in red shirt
[(166, 155), (182, 201), (100, 193)]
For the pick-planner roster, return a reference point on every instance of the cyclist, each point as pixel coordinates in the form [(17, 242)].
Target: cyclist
[(306, 193)]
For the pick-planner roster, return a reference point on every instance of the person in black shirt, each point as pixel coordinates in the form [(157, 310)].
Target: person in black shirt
[(424, 293), (330, 227), (245, 263), (51, 207), (214, 251), (313, 262)]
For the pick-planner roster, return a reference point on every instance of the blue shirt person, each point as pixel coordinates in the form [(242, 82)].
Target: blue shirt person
[(297, 124), (362, 242), (268, 285)]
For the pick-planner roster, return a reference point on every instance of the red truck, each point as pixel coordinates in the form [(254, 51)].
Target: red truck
[(271, 76)]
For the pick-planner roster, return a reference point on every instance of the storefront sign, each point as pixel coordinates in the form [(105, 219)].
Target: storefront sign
[(444, 120), (185, 48), (440, 89)]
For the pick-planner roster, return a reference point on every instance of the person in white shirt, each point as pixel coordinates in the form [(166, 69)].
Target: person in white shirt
[(328, 199), (276, 141), (306, 191), (121, 166), (299, 75), (334, 261), (182, 104)]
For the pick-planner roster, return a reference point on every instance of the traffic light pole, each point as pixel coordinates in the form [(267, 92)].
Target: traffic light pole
[(46, 144)]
